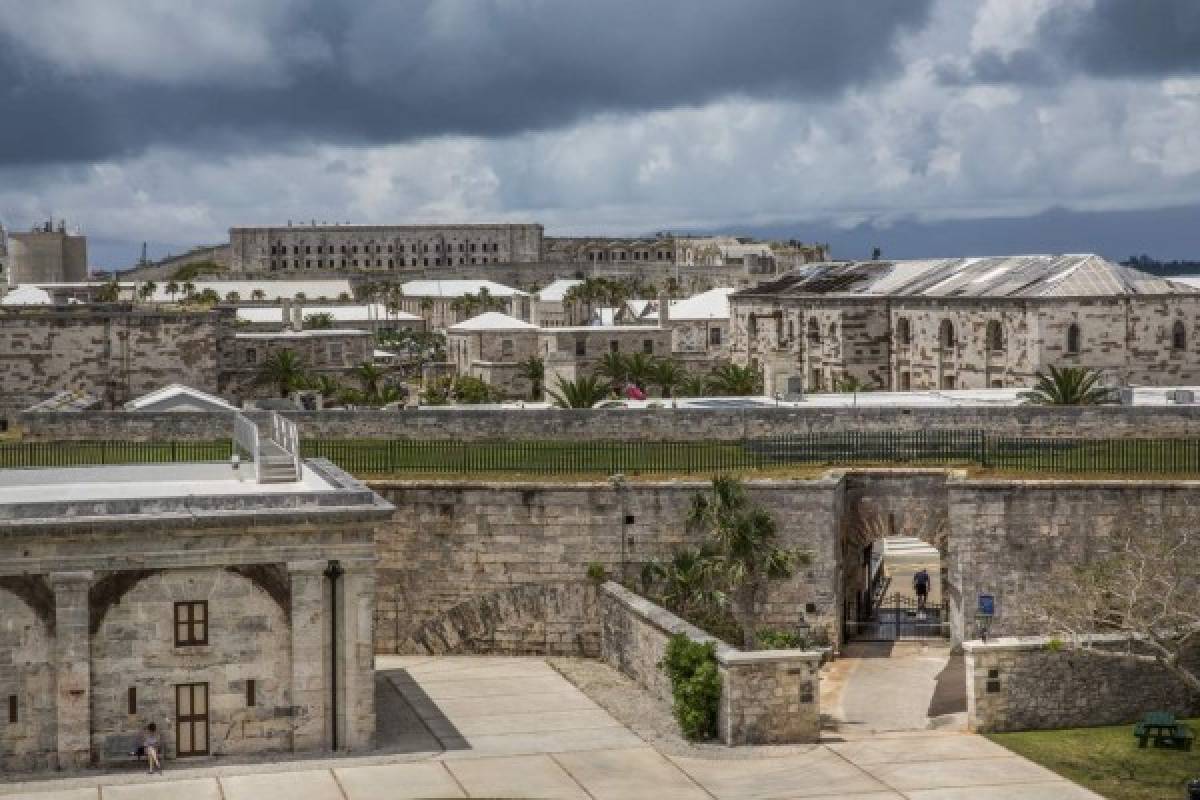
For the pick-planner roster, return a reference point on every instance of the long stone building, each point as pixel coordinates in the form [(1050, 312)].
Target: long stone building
[(966, 323), (379, 249)]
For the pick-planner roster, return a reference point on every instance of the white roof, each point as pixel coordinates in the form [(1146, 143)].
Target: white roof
[(555, 291), (713, 304), (27, 296), (457, 288), (359, 313), (273, 290), (492, 321), (178, 391), (304, 334)]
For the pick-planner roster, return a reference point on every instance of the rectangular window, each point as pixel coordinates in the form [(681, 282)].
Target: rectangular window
[(191, 623), (335, 352), (12, 709), (251, 694), (132, 700), (581, 347), (614, 346), (648, 346), (714, 336), (506, 347)]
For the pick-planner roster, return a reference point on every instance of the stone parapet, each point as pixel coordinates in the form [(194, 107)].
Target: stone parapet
[(1040, 682), (767, 697)]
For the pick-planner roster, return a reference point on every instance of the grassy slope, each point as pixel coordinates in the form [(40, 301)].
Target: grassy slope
[(1108, 761)]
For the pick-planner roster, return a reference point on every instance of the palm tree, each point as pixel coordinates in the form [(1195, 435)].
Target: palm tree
[(613, 365), (687, 582), (534, 369), (693, 384), (742, 534), (147, 290), (258, 295), (734, 381), (369, 376), (109, 291), (189, 289), (639, 367), (582, 393), (284, 370), (172, 290), (328, 386), (1069, 386), (321, 321), (233, 298), (668, 374)]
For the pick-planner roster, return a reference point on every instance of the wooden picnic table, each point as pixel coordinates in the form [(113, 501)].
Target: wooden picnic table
[(1164, 730)]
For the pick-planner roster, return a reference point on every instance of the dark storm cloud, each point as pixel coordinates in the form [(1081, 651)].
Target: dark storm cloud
[(1110, 39), (381, 72)]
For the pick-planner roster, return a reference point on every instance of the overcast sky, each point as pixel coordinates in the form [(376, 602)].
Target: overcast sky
[(926, 124)]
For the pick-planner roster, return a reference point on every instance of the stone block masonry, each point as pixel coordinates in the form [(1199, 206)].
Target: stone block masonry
[(463, 424), (502, 567), (767, 697), (1030, 683)]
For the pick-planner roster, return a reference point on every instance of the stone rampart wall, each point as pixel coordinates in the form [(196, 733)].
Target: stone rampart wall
[(767, 697), (628, 424), (1032, 684), (502, 567)]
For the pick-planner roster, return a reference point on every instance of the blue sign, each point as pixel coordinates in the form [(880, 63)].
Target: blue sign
[(987, 605)]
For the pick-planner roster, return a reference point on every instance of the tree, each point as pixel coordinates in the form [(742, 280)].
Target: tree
[(208, 297), (233, 298), (370, 377), (189, 289), (109, 291), (172, 290), (344, 297), (1145, 589), (472, 391), (742, 536), (668, 374), (328, 386), (732, 380), (534, 369), (321, 321), (848, 384), (582, 393), (284, 370), (147, 290), (687, 583), (258, 295), (615, 367), (639, 368), (1069, 386)]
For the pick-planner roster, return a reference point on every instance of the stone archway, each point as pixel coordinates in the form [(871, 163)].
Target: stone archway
[(529, 619)]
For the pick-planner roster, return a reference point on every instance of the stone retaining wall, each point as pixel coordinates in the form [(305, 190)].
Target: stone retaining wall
[(767, 697), (1027, 683), (630, 424)]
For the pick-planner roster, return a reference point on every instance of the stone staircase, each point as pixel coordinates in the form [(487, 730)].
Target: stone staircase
[(275, 465)]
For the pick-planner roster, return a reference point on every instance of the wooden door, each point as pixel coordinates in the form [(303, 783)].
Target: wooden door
[(191, 719)]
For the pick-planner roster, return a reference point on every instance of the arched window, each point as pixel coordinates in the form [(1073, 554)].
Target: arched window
[(1073, 339), (903, 331), (1178, 337), (995, 336), (814, 331), (946, 334)]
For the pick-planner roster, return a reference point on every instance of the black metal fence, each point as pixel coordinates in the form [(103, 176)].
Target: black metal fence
[(921, 448)]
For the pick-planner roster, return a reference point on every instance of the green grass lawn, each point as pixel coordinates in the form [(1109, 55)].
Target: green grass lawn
[(1108, 761)]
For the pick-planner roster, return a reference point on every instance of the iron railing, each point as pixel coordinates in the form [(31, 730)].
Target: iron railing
[(1178, 457)]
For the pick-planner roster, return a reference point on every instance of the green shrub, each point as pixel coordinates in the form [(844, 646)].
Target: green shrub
[(772, 639), (695, 685), (596, 572), (1055, 645)]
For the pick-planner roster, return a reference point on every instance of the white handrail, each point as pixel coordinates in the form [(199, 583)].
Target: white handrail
[(245, 436), (286, 434)]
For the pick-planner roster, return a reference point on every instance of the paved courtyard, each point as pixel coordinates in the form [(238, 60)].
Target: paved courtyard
[(514, 727)]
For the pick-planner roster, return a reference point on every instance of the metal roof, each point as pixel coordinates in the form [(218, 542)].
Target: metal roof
[(1003, 276)]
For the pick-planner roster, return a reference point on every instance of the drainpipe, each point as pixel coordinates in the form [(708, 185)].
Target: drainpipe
[(333, 572)]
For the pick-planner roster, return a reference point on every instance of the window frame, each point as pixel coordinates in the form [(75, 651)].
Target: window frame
[(191, 622)]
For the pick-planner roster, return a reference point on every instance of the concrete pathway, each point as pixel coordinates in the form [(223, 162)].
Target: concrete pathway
[(878, 687), (514, 728)]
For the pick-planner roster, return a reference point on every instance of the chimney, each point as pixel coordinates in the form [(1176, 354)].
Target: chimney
[(664, 309), (298, 316)]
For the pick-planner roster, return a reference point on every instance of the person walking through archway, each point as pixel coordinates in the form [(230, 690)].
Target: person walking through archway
[(921, 587)]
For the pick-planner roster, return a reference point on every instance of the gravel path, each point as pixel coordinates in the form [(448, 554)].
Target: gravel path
[(648, 716)]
